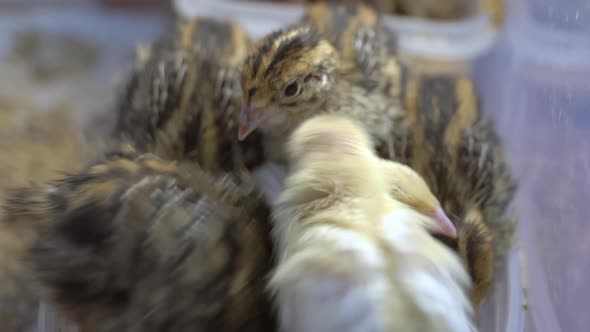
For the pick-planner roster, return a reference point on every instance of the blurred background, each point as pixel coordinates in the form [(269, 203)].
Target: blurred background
[(62, 61)]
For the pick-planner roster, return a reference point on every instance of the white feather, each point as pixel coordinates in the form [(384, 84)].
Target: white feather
[(49, 320), (343, 294), (332, 279), (431, 272), (270, 179)]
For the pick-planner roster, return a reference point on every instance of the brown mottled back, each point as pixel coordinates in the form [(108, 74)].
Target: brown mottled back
[(456, 149), (182, 98), (142, 244)]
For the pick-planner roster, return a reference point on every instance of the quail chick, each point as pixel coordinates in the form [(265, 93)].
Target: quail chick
[(456, 149), (141, 244), (297, 72), (433, 125), (182, 98), (351, 258)]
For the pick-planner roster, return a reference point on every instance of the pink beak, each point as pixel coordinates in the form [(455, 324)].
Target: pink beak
[(249, 121), (445, 225)]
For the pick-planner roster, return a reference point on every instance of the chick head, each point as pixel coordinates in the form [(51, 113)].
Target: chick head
[(335, 154), (408, 187), (330, 134), (286, 78)]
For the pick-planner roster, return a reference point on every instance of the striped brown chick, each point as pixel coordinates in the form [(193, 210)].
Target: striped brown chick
[(298, 72), (182, 98), (457, 150), (320, 66), (142, 244)]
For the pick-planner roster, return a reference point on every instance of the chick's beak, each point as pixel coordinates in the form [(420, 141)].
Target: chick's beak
[(445, 225), (250, 119)]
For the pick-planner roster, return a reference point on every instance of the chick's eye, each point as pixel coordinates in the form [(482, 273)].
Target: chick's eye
[(292, 89)]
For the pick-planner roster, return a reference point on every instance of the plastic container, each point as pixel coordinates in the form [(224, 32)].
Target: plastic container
[(88, 90), (255, 17), (536, 83), (442, 45), (453, 43), (113, 35)]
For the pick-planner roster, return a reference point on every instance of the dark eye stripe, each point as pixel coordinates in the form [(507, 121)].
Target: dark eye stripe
[(256, 58), (294, 44), (306, 39)]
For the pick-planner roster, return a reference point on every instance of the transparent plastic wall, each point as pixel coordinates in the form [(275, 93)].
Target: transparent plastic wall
[(113, 34), (88, 91), (536, 83)]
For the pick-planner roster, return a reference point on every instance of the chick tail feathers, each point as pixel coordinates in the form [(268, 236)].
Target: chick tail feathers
[(475, 245), (323, 291), (443, 303), (432, 284)]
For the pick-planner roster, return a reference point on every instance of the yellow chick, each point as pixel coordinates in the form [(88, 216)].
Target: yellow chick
[(351, 234)]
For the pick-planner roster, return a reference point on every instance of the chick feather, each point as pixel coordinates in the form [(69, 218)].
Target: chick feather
[(181, 99), (136, 243), (350, 256)]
